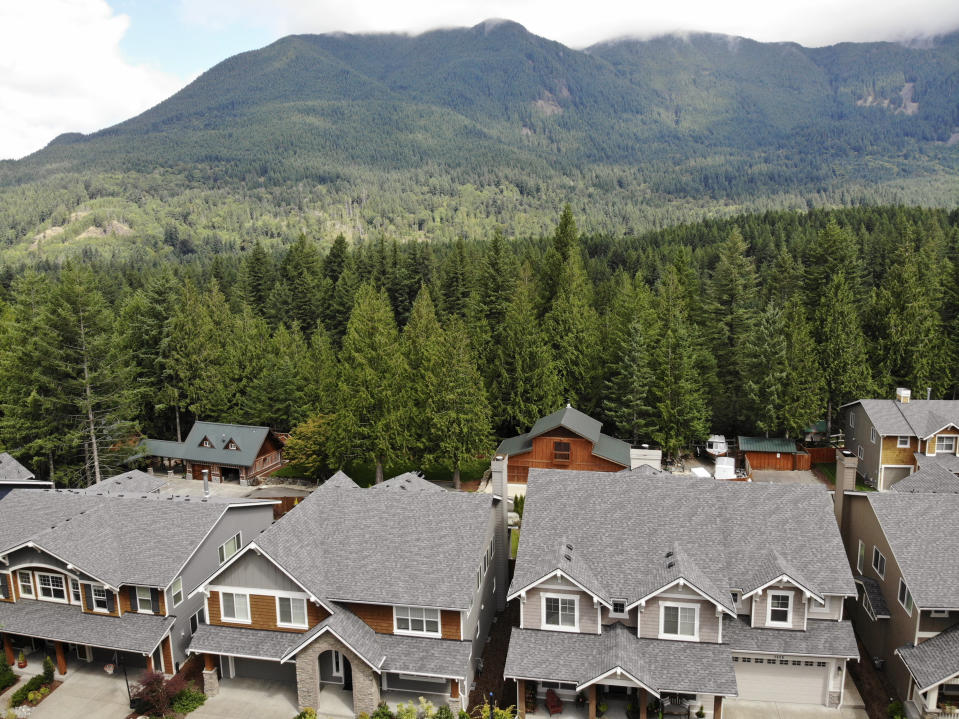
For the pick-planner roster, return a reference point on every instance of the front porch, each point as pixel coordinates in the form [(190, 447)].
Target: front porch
[(614, 702)]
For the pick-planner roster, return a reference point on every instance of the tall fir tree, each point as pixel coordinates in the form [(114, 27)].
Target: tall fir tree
[(803, 396), (258, 277), (421, 345), (766, 372)]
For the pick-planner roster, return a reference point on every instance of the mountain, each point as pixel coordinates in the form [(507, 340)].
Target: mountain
[(405, 134)]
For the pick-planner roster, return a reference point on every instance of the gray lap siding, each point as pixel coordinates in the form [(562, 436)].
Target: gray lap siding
[(760, 607)]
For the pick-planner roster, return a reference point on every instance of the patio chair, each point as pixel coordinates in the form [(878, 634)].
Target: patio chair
[(554, 705)]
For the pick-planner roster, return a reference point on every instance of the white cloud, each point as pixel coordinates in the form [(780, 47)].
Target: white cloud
[(61, 70)]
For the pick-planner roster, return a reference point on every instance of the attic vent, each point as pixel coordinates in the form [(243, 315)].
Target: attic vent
[(568, 558), (670, 565), (569, 547), (669, 554)]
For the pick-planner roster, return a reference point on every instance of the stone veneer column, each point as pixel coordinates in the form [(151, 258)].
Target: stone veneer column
[(366, 686), (211, 679)]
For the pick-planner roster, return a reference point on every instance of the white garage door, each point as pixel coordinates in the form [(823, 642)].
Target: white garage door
[(771, 681)]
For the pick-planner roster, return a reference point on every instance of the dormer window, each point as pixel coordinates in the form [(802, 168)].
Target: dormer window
[(780, 608), (561, 451), (679, 621), (206, 443), (559, 612), (619, 608), (232, 445), (946, 444)]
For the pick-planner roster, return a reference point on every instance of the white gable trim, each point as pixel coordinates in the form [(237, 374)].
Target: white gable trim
[(945, 426), (786, 578), (324, 630), (618, 671), (70, 565), (551, 575), (682, 582), (934, 684)]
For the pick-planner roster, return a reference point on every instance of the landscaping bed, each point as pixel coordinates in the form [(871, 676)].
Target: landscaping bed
[(35, 689)]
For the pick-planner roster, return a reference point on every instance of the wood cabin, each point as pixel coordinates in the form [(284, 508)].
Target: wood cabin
[(777, 453), (229, 452)]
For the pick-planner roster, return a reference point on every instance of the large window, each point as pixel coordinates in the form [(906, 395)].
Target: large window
[(291, 611), (177, 591), (946, 444), (229, 548), (52, 587), (560, 612), (879, 562), (417, 620), (100, 600), (235, 607), (679, 621), (780, 608), (905, 597), (144, 600), (26, 583)]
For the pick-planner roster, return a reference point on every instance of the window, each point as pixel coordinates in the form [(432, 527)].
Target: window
[(100, 600), (417, 620), (859, 452), (852, 419), (559, 685), (872, 435), (177, 591), (337, 664), (561, 451), (861, 557), (144, 601), (75, 591), (784, 662), (52, 587), (235, 607), (229, 547), (796, 663), (747, 660), (780, 608), (939, 613), (291, 611), (946, 443), (821, 664), (619, 608), (26, 584), (735, 597), (560, 612), (196, 620), (206, 442), (905, 597), (232, 445), (902, 442), (679, 620), (878, 562), (808, 664), (760, 660), (735, 659)]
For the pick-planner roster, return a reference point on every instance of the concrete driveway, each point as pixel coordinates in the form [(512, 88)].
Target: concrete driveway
[(250, 699), (740, 709), (87, 692)]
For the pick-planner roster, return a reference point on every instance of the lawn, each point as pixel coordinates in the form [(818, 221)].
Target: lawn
[(829, 471), (513, 543)]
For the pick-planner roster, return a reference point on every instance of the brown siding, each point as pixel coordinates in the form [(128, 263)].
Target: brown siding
[(263, 613), (931, 442), (168, 656), (784, 462), (380, 618), (928, 623), (892, 454), (581, 457), (123, 600), (450, 624)]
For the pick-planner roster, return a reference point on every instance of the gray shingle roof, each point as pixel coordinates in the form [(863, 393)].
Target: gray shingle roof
[(243, 642), (917, 418), (118, 540), (132, 632), (575, 421), (767, 444), (931, 478), (249, 439), (945, 461), (934, 660), (389, 547), (419, 655), (133, 482), (11, 469), (770, 567), (663, 666), (874, 595), (822, 638), (621, 526), (341, 480), (922, 529), (409, 482)]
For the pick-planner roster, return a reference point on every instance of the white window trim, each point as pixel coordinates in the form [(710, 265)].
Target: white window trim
[(789, 611), (93, 597), (938, 612), (859, 453), (221, 552), (337, 664), (295, 625), (78, 600), (876, 551), (911, 602), (140, 608), (872, 434), (694, 637), (33, 589), (955, 444), (619, 615), (559, 627), (174, 591), (424, 633), (900, 438), (852, 419), (224, 618), (861, 556), (66, 588)]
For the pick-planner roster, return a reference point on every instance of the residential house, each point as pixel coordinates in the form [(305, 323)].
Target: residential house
[(568, 439), (634, 587), (14, 475), (228, 452), (108, 578), (892, 438), (357, 595), (902, 546)]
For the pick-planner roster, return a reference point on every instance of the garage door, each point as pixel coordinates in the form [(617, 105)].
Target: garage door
[(891, 475), (766, 679)]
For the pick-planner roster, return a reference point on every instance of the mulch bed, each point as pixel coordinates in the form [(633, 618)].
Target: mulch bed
[(490, 680), (872, 684)]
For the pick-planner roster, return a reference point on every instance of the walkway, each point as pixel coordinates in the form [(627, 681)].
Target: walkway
[(250, 699)]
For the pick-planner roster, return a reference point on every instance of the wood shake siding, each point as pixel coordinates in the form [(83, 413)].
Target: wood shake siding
[(542, 455), (126, 605), (263, 614), (380, 619), (761, 604), (650, 617), (892, 453), (167, 656)]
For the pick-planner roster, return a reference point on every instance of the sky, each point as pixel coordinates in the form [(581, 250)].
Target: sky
[(82, 65)]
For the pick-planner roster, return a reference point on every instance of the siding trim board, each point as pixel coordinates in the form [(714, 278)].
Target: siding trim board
[(617, 670), (551, 575), (785, 578), (682, 584)]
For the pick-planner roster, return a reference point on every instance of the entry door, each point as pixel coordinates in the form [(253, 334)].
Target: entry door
[(84, 653)]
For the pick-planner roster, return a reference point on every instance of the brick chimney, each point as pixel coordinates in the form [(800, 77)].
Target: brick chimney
[(903, 395), (501, 508), (846, 463)]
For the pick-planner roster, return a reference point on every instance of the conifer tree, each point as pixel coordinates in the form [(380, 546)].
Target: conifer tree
[(301, 272), (766, 372), (319, 377), (344, 295), (422, 346), (258, 278), (803, 395), (335, 260), (275, 396)]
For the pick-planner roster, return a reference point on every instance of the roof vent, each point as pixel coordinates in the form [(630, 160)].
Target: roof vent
[(670, 565), (669, 554), (568, 558), (569, 547)]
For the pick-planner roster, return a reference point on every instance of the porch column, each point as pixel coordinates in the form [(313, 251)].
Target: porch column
[(643, 701), (211, 680), (61, 658), (149, 663), (591, 698), (521, 698), (718, 708), (8, 649), (932, 698)]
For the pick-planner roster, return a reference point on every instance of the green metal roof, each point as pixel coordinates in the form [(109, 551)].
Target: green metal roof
[(767, 444), (615, 450), (248, 439)]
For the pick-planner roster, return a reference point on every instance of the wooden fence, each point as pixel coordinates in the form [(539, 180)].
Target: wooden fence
[(822, 455)]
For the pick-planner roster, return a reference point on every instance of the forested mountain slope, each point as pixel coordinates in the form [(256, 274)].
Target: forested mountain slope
[(453, 132)]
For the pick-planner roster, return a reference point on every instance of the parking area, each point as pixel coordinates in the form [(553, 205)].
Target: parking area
[(87, 692), (250, 699)]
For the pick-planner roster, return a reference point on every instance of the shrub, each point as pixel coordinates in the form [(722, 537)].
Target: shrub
[(463, 714), (382, 712), (187, 700), (48, 669), (895, 711), (444, 712), (362, 715), (309, 713), (20, 695), (519, 503), (427, 710), (154, 694), (7, 677), (406, 710)]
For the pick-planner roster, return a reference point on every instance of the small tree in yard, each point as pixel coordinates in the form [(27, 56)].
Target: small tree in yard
[(154, 694)]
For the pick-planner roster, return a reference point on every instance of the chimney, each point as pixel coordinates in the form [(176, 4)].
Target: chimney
[(846, 463), (501, 508), (902, 395), (206, 483)]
